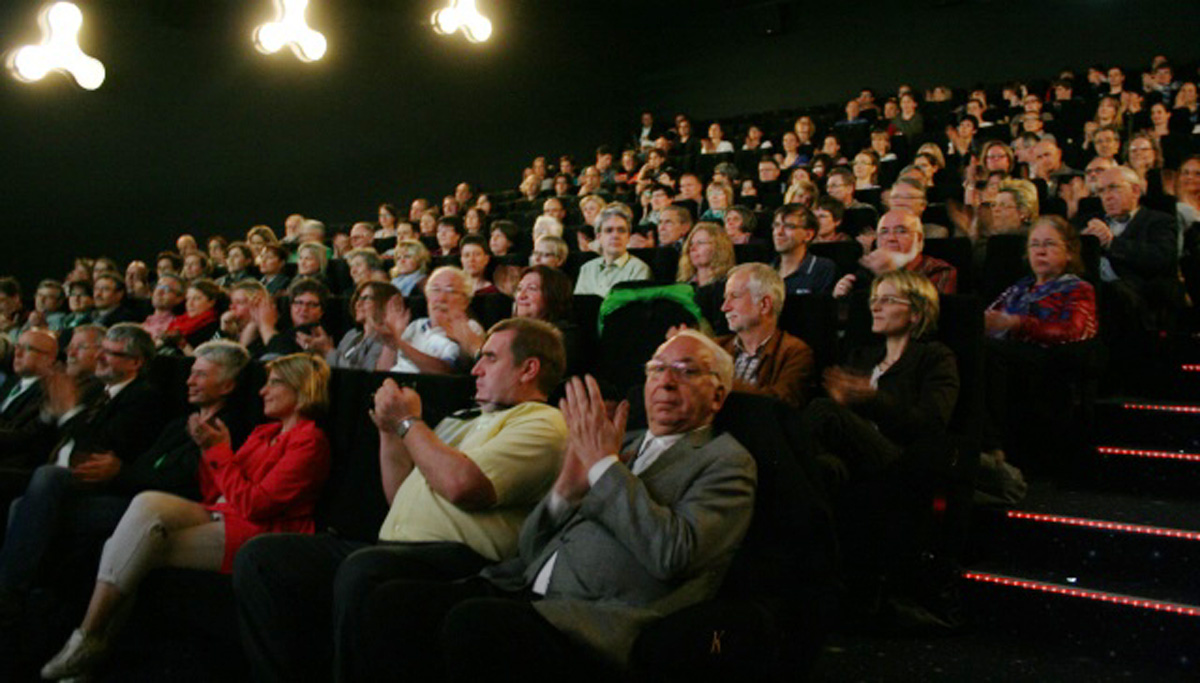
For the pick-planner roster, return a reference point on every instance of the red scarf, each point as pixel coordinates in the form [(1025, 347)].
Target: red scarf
[(187, 325)]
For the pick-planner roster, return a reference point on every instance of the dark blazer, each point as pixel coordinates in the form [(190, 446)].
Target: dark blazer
[(1147, 249), (123, 313), (170, 463), (916, 395), (636, 548), (125, 425), (24, 437), (276, 284)]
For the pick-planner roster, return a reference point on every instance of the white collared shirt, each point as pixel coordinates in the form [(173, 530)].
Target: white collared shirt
[(22, 386), (63, 459)]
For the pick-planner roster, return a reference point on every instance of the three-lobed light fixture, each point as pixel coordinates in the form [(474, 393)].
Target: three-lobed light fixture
[(290, 28), (61, 22), (463, 15), (59, 50)]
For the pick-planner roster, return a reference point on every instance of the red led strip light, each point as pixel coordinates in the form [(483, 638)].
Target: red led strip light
[(1162, 408), (1107, 526), (1190, 368), (1099, 596), (1168, 455)]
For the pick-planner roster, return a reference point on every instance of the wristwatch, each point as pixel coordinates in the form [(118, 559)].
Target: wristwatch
[(406, 424)]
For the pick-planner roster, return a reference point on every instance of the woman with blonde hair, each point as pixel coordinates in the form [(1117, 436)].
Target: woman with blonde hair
[(707, 255), (412, 263), (887, 395), (311, 259), (269, 485)]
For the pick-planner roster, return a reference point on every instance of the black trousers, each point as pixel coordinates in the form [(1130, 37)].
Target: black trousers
[(301, 598), (828, 428), (467, 631)]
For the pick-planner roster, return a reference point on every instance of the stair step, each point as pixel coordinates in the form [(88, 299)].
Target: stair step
[(1046, 498), (1122, 621), (1068, 586), (1152, 541), (1105, 525), (1156, 471), (1148, 425), (1152, 455)]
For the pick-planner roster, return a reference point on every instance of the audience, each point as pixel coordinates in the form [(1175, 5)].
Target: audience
[(457, 497)]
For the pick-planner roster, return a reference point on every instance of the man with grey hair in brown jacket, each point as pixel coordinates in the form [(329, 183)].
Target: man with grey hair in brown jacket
[(766, 359)]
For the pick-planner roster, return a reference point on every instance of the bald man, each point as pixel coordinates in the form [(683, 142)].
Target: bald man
[(24, 437)]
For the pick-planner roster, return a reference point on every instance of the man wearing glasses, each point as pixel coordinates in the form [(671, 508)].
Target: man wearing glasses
[(899, 240), (428, 345), (635, 527), (615, 264), (802, 272)]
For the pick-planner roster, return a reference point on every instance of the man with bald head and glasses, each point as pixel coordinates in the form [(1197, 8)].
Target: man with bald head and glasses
[(636, 526), (24, 437)]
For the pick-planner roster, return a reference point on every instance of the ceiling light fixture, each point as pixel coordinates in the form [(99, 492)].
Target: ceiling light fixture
[(59, 50), (291, 29), (462, 14)]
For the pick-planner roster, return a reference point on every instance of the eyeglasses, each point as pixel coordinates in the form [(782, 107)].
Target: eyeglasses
[(30, 348), (1047, 244), (888, 299), (306, 304), (656, 369), (897, 230), (118, 354), (442, 290)]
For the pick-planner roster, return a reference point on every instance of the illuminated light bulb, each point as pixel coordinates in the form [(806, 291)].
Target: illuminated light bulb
[(59, 50), (462, 14), (291, 29)]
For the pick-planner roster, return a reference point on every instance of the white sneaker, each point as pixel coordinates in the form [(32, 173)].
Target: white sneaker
[(81, 654)]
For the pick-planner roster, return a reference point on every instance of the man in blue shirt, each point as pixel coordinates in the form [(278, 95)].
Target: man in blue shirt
[(793, 229)]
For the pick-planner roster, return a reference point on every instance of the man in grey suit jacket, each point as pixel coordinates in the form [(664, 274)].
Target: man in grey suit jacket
[(634, 528)]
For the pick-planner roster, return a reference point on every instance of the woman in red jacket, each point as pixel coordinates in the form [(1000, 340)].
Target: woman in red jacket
[(270, 485)]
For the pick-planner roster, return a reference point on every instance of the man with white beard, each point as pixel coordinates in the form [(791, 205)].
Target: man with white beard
[(899, 239)]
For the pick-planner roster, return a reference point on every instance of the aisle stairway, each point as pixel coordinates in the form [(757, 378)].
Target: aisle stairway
[(1105, 562)]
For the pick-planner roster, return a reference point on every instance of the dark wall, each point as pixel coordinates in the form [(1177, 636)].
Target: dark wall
[(194, 130)]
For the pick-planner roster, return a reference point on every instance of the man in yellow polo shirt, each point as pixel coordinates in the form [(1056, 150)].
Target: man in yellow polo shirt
[(458, 495)]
